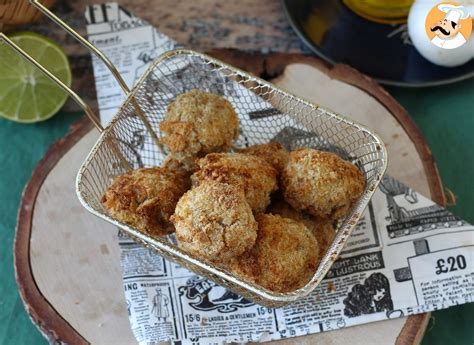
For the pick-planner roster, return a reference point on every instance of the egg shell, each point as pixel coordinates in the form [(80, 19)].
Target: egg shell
[(421, 41)]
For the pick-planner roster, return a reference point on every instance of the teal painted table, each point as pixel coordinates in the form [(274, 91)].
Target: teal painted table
[(445, 116)]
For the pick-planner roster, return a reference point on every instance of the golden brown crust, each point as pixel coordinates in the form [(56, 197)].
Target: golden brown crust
[(180, 161), (199, 121), (284, 258), (254, 175), (146, 198), (325, 233), (282, 208), (321, 183), (273, 153), (181, 137), (214, 222), (322, 229)]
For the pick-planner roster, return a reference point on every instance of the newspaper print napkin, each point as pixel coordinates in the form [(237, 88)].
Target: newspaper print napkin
[(406, 256)]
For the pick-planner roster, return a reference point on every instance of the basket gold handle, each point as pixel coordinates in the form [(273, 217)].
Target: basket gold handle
[(84, 42), (88, 110), (93, 49)]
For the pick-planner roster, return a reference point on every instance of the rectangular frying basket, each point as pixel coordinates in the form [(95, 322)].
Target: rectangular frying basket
[(266, 113)]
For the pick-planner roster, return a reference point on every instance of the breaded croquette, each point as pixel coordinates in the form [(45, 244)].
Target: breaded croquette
[(146, 198), (180, 161), (322, 229), (321, 183), (197, 123), (284, 258), (214, 222), (274, 153), (253, 174)]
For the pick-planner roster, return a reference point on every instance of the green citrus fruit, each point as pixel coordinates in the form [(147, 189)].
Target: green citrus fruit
[(26, 94)]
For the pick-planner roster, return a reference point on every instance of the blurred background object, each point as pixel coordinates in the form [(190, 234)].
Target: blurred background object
[(16, 12), (381, 11), (364, 36)]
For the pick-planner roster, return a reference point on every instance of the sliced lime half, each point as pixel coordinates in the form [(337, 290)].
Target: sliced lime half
[(26, 94)]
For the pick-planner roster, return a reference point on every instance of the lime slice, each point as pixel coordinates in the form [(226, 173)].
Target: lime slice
[(26, 94)]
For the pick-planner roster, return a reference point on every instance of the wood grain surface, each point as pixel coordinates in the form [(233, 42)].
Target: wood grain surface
[(54, 327), (68, 266), (14, 12)]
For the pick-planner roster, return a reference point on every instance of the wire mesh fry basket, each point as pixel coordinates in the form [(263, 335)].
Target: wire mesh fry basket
[(267, 113)]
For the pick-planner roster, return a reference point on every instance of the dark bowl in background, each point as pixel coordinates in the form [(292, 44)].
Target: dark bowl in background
[(382, 51)]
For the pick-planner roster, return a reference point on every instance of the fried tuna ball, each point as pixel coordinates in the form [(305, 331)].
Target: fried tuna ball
[(146, 198), (284, 257), (214, 222), (183, 144), (321, 183), (253, 174), (322, 229), (180, 161), (199, 122), (273, 153)]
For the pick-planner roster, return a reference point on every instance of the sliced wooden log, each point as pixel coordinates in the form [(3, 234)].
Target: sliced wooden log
[(68, 262)]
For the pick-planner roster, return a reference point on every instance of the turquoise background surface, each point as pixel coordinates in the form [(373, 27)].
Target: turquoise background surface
[(445, 115)]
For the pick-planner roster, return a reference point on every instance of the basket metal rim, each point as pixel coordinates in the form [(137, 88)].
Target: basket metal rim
[(340, 239)]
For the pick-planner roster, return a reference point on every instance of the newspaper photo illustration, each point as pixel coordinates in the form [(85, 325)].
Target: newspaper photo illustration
[(406, 255), (160, 305), (372, 296)]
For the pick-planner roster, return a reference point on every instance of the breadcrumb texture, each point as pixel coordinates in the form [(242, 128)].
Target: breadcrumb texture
[(197, 123), (146, 198), (253, 174), (322, 229), (273, 153), (321, 183), (284, 258), (214, 222), (180, 161)]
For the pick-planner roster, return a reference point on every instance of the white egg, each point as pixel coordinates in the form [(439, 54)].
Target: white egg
[(421, 41)]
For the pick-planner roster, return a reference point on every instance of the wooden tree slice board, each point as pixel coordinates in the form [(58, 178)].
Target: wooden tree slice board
[(68, 261)]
